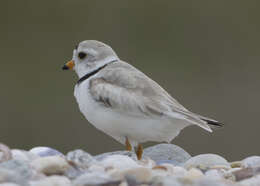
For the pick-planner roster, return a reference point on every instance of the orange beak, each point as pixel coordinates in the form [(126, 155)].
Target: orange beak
[(69, 65)]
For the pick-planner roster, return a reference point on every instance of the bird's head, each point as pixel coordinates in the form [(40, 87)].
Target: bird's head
[(90, 55)]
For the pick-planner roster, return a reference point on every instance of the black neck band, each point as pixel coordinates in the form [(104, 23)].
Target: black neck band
[(92, 73)]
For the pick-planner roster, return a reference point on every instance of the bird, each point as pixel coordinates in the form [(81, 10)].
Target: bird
[(123, 102)]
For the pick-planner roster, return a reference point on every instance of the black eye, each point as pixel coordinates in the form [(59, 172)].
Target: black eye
[(82, 55)]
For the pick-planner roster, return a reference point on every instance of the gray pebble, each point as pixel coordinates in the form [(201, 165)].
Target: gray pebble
[(45, 151), (72, 173), (11, 176), (162, 152), (21, 168), (5, 153), (206, 161), (252, 161), (80, 159)]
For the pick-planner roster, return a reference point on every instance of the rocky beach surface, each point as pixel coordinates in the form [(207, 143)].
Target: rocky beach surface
[(162, 165)]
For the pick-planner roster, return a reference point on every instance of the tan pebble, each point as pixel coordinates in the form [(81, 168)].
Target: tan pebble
[(50, 165), (236, 164), (194, 173)]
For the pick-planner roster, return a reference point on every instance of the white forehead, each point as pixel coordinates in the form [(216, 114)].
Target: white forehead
[(96, 48), (92, 46)]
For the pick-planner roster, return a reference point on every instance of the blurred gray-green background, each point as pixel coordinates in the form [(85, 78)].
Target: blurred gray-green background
[(204, 53)]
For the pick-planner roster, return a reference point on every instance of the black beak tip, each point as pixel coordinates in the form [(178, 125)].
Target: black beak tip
[(65, 67)]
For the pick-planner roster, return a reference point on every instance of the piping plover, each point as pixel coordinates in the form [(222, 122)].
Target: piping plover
[(123, 102)]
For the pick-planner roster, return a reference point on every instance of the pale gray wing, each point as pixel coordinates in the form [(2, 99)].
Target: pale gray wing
[(122, 87)]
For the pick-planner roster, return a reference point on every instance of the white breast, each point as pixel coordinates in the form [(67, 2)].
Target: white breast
[(119, 125)]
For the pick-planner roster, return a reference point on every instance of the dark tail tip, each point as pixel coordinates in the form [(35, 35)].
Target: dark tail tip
[(214, 123)]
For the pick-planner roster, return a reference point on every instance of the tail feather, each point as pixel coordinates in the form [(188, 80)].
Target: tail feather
[(213, 123)]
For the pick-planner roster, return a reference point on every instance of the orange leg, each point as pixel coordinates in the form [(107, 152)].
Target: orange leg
[(128, 144), (139, 152)]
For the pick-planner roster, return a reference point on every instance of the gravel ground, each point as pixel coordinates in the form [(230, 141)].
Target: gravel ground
[(162, 165)]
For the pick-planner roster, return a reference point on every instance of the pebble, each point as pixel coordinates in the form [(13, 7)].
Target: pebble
[(124, 153), (140, 174), (214, 174), (166, 181), (11, 176), (205, 181), (93, 178), (246, 173), (52, 181), (179, 171), (23, 155), (5, 153), (252, 161), (207, 161), (50, 165), (194, 173), (73, 173), (162, 152), (236, 164), (80, 159), (21, 169), (45, 151), (8, 184), (119, 162), (146, 162), (161, 165), (254, 181)]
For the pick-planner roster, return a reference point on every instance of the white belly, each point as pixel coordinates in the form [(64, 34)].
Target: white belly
[(119, 125)]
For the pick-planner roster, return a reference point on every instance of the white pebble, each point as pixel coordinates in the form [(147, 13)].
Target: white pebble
[(179, 171), (45, 151), (8, 184), (254, 181), (119, 162), (253, 161), (215, 174), (23, 155), (92, 178), (52, 181)]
